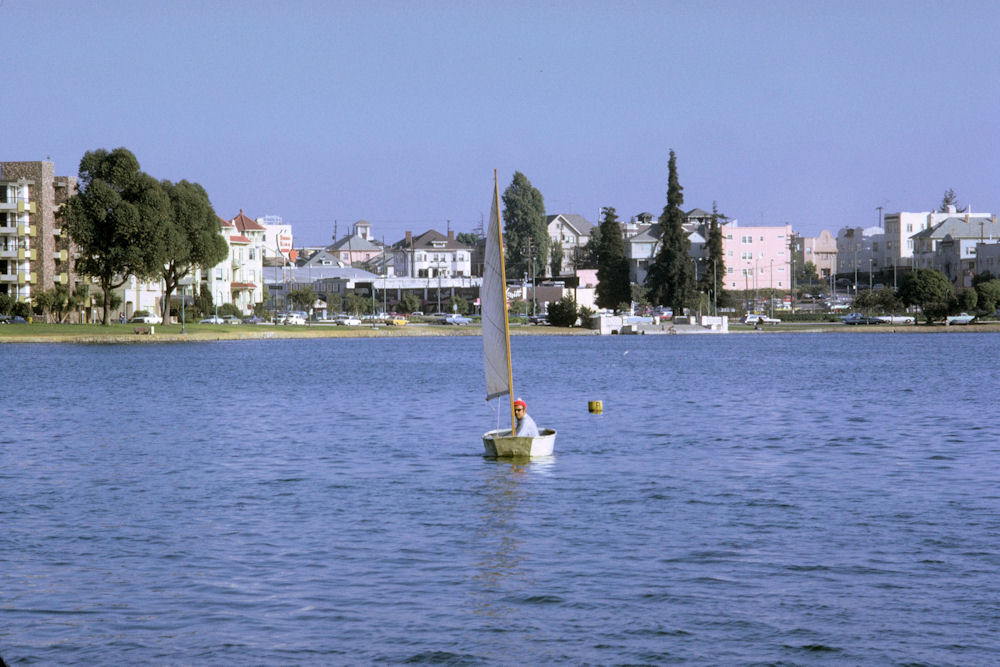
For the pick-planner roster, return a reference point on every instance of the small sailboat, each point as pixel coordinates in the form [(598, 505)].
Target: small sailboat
[(496, 347)]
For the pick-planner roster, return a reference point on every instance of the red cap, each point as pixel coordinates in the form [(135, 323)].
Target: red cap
[(521, 403)]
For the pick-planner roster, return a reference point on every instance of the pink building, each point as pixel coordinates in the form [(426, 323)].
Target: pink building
[(757, 257)]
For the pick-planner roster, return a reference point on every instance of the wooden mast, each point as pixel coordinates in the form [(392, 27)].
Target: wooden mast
[(506, 319)]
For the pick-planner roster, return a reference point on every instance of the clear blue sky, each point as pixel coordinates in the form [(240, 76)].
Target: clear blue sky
[(813, 113)]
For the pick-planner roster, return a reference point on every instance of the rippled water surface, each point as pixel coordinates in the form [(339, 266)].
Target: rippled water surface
[(797, 499)]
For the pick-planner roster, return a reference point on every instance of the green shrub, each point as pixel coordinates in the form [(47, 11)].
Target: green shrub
[(563, 313)]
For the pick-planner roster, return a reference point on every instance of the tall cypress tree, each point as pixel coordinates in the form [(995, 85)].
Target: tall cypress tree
[(524, 221), (613, 288), (714, 270), (671, 277)]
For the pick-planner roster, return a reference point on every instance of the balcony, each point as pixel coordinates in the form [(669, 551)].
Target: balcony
[(61, 279), (8, 277), (8, 253), (27, 277), (24, 229), (23, 254), (62, 255)]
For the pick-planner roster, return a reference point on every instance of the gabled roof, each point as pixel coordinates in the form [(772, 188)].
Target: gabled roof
[(323, 258), (698, 213), (245, 224), (353, 242), (959, 228), (582, 226), (432, 240), (238, 238), (650, 234)]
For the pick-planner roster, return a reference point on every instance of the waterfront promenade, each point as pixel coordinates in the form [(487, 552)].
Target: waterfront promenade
[(195, 333)]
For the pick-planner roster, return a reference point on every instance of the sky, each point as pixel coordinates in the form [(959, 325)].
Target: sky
[(327, 112)]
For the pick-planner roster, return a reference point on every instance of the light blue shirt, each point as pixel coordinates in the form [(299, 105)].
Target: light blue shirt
[(526, 427)]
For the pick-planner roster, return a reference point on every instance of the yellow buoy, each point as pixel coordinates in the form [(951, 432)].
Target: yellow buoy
[(596, 407)]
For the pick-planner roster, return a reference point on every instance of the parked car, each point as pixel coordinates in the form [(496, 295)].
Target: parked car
[(254, 320), (539, 319), (860, 318), (964, 318), (293, 318), (397, 321), (896, 319), (757, 318), (12, 319), (347, 321), (457, 320), (212, 320), (146, 319), (231, 319)]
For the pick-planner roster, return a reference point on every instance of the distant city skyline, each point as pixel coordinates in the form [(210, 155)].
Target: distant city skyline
[(397, 113)]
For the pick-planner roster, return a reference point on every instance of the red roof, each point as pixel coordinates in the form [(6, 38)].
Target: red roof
[(244, 223), (237, 286), (238, 238)]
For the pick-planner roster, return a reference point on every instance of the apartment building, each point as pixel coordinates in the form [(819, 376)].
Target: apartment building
[(757, 257), (430, 255), (899, 228), (35, 254)]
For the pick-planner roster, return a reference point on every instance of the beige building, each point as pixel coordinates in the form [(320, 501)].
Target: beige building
[(35, 255), (820, 250)]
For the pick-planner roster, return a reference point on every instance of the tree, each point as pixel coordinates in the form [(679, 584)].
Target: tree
[(41, 303), (191, 237), (884, 300), (204, 303), (806, 274), (303, 297), (613, 288), (966, 300), (524, 225), (929, 289), (949, 199), (116, 220), (556, 259), (409, 303), (563, 313), (989, 295), (355, 303), (5, 304), (670, 278), (457, 304), (587, 256), (713, 274), (468, 238)]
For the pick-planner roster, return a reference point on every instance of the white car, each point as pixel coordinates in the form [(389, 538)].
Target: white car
[(294, 318), (964, 318), (212, 320), (146, 319), (348, 322), (231, 319), (754, 318)]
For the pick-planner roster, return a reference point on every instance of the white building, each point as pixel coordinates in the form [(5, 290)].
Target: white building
[(571, 232), (430, 255), (859, 251), (898, 246)]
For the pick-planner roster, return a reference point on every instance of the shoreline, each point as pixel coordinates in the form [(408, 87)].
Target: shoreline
[(124, 334)]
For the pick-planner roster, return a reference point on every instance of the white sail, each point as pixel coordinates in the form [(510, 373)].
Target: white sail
[(493, 301)]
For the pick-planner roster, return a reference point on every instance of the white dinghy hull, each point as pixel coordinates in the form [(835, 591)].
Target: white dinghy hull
[(500, 444)]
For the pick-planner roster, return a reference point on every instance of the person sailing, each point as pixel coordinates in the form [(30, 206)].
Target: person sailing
[(525, 425)]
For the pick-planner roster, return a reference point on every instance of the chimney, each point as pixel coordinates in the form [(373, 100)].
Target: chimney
[(409, 238), (451, 234)]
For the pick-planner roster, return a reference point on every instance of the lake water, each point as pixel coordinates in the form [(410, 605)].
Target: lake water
[(770, 498)]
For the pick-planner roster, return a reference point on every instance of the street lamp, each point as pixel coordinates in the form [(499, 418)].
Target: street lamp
[(182, 309)]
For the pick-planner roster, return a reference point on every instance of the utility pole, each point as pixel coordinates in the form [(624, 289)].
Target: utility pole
[(529, 250)]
